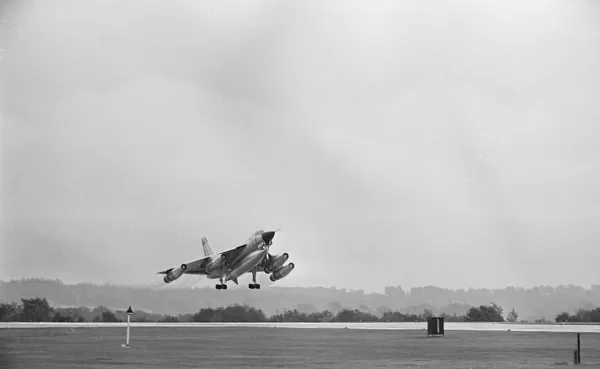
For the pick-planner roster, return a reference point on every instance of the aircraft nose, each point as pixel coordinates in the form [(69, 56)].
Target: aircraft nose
[(268, 237)]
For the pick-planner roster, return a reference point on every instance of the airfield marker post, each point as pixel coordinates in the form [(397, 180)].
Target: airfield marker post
[(129, 313), (128, 320), (578, 350)]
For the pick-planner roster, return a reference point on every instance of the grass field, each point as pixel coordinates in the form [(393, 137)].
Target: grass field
[(253, 347)]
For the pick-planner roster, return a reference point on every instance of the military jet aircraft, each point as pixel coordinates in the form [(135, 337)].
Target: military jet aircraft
[(251, 257)]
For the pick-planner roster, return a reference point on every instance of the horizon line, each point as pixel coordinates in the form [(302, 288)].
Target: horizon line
[(151, 286)]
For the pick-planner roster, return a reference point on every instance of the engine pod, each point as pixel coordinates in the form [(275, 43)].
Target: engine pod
[(281, 272)]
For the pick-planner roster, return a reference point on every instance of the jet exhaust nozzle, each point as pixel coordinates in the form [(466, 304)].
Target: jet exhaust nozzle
[(282, 272), (175, 273)]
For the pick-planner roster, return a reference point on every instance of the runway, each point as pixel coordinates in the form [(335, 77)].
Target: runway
[(449, 326)]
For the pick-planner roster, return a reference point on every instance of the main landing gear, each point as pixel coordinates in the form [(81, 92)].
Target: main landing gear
[(254, 285), (221, 286)]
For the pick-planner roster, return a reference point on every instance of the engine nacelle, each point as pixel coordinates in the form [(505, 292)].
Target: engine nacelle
[(275, 262), (282, 272), (175, 273), (215, 263)]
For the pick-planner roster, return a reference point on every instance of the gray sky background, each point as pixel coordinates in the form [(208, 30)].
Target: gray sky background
[(448, 143)]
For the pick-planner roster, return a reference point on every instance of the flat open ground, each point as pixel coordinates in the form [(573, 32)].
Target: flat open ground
[(268, 347)]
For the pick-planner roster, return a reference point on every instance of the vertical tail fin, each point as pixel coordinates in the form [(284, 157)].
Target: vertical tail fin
[(206, 246)]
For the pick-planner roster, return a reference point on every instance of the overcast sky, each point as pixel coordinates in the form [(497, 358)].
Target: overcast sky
[(448, 143)]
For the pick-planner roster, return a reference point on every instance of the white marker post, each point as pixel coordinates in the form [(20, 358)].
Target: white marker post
[(129, 313)]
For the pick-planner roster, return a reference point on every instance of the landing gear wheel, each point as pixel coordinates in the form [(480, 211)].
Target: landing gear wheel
[(221, 286), (254, 285), (218, 286)]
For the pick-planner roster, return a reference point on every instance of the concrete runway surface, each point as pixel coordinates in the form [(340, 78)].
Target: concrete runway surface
[(515, 327), (251, 346)]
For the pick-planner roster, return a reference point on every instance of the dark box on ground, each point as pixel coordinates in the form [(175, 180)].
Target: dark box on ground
[(435, 326)]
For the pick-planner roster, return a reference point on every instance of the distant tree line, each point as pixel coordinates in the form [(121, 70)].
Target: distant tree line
[(39, 310), (581, 316), (531, 303), (490, 313)]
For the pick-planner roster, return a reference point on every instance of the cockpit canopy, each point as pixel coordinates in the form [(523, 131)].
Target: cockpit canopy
[(258, 232)]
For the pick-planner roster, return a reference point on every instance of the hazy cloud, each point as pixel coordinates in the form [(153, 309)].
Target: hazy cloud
[(385, 138)]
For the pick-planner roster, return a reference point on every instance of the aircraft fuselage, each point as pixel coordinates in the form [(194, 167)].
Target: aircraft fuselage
[(251, 255), (246, 264)]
